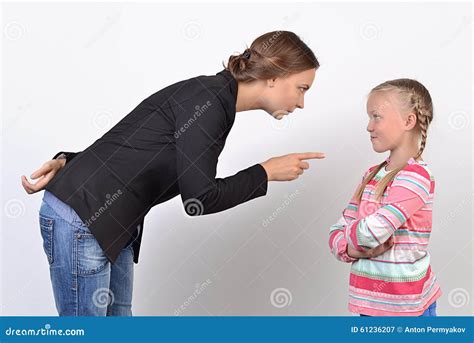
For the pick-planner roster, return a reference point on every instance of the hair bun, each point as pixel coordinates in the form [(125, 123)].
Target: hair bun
[(273, 54), (247, 54)]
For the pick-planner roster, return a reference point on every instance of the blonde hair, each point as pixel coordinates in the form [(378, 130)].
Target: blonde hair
[(413, 97)]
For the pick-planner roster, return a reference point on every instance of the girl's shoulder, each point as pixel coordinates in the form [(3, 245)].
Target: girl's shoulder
[(420, 168), (415, 167), (417, 177)]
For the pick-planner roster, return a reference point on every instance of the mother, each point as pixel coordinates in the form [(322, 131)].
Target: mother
[(92, 213), (93, 210)]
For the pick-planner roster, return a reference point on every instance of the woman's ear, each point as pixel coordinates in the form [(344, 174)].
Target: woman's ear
[(271, 82), (410, 121)]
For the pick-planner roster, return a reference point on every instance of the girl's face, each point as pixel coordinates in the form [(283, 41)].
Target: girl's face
[(388, 126), (283, 95)]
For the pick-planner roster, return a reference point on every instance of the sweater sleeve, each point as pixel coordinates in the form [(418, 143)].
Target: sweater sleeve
[(337, 239), (408, 193), (199, 143)]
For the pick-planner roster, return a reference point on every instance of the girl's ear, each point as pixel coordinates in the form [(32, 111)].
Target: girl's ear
[(410, 121)]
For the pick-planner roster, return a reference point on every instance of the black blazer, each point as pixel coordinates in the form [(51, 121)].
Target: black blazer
[(168, 145)]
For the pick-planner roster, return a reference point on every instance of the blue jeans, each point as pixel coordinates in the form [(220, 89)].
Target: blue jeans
[(84, 281), (429, 312)]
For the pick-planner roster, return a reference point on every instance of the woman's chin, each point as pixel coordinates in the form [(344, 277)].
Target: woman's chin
[(279, 114)]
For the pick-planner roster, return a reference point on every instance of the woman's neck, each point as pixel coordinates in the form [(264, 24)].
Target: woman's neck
[(249, 96)]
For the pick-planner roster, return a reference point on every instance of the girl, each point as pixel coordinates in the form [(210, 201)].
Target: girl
[(92, 214), (392, 206)]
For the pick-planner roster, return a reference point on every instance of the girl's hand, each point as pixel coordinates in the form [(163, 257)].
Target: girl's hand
[(379, 250), (44, 174), (288, 167)]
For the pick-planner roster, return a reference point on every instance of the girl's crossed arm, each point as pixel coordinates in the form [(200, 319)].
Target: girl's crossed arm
[(409, 192)]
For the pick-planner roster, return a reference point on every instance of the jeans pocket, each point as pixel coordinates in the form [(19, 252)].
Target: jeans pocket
[(47, 231), (90, 257)]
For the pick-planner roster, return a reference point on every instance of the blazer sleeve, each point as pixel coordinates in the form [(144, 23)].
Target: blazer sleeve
[(199, 141), (69, 155)]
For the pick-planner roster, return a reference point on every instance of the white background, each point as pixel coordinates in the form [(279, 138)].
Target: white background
[(71, 71)]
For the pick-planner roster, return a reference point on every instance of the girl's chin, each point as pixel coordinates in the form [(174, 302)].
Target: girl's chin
[(378, 148)]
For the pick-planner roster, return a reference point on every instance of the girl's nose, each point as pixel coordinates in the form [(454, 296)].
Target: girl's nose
[(370, 127)]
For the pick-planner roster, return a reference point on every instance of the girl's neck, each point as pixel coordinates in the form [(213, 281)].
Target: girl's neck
[(400, 156)]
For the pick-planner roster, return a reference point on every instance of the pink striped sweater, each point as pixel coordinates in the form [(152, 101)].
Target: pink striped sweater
[(399, 282)]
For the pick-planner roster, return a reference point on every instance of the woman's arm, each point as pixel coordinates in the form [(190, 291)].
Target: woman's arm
[(66, 155), (47, 171), (198, 145)]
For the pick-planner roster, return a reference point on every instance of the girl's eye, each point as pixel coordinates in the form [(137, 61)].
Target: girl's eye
[(302, 89)]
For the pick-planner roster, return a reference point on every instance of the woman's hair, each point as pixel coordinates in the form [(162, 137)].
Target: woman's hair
[(274, 54), (413, 97)]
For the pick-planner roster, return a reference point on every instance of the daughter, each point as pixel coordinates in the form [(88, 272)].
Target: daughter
[(392, 205)]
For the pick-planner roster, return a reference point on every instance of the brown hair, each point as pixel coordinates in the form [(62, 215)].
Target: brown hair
[(413, 97), (274, 54)]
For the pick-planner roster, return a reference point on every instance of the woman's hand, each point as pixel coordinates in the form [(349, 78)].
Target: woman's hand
[(378, 250), (44, 174), (289, 167)]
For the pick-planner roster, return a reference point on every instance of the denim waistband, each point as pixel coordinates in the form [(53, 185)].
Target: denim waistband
[(63, 210)]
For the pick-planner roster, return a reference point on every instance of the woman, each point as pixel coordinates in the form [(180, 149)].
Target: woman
[(92, 213)]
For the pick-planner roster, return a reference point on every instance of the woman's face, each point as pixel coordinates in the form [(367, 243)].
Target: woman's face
[(283, 95)]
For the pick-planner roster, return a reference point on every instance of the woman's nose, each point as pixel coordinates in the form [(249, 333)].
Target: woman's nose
[(300, 104)]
